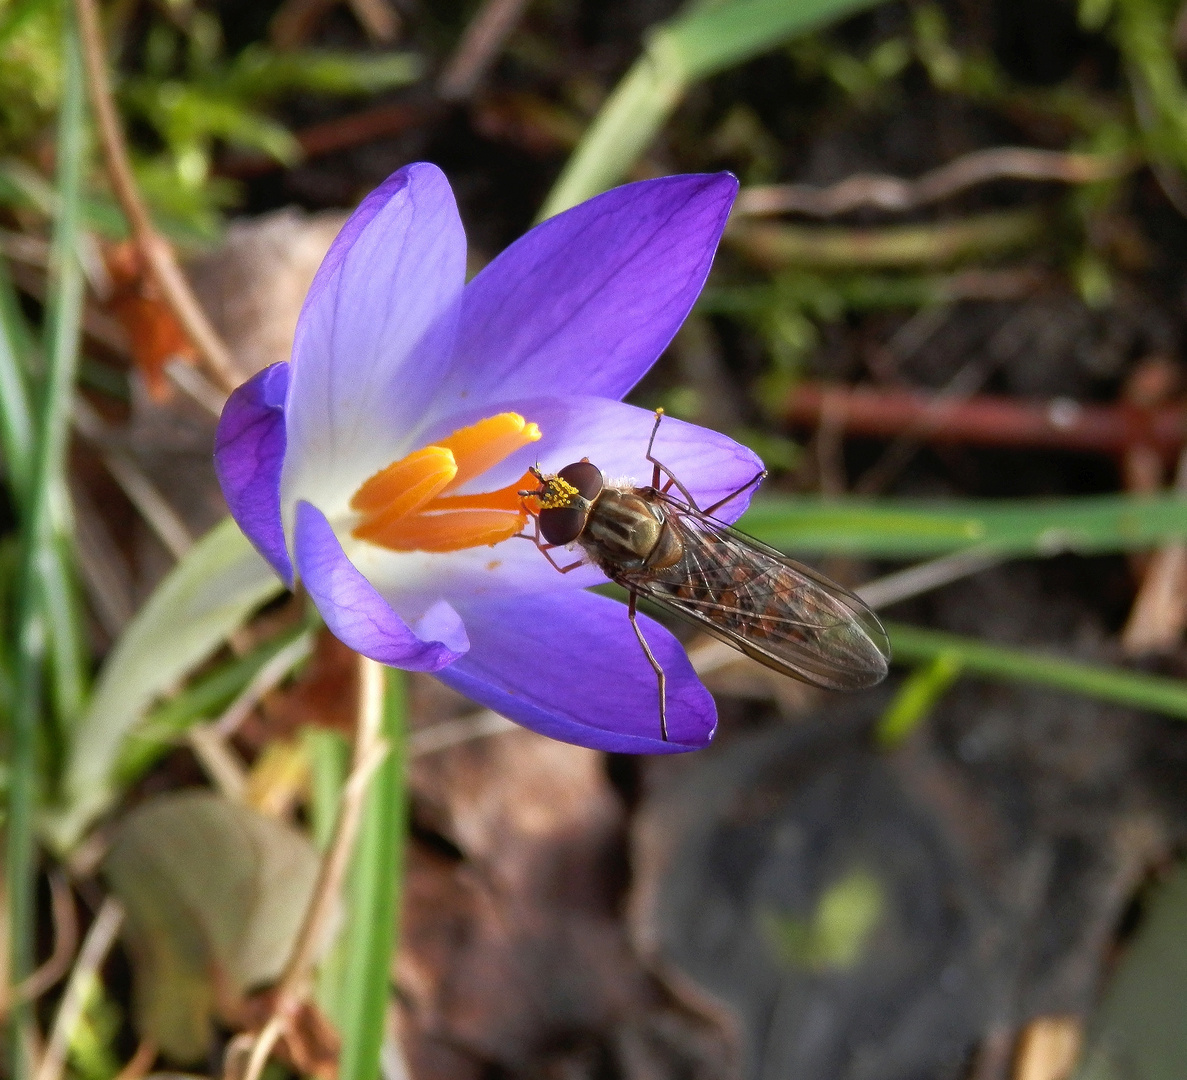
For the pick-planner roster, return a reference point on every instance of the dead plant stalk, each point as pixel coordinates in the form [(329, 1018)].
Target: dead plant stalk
[(155, 249), (97, 944), (889, 193), (369, 750)]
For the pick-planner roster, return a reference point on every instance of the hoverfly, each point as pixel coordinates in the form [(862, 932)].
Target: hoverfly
[(663, 547)]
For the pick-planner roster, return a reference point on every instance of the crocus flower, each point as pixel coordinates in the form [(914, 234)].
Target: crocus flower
[(382, 465)]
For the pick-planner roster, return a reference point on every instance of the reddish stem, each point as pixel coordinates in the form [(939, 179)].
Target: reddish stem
[(985, 420)]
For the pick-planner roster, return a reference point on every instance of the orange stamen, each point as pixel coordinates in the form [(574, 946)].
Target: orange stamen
[(406, 485), (404, 506), (451, 530), (483, 445), (504, 499)]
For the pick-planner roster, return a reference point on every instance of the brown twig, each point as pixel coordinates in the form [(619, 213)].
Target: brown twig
[(1049, 1048), (99, 940), (158, 254), (986, 420), (343, 133), (65, 942), (378, 18), (296, 20), (141, 492), (369, 750), (478, 47), (877, 192)]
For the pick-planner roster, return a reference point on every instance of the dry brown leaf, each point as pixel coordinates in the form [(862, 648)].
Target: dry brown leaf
[(154, 335), (323, 695), (517, 947)]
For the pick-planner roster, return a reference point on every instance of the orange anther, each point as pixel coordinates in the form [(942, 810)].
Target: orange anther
[(404, 508), (407, 484), (450, 530), (483, 445)]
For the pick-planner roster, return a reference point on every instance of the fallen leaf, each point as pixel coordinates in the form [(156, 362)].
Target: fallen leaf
[(513, 954), (215, 894)]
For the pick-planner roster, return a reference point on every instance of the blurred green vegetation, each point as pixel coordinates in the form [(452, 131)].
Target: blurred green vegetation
[(187, 99)]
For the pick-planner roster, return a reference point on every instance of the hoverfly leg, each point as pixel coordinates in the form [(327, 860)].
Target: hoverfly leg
[(758, 477), (544, 549), (659, 467), (661, 678)]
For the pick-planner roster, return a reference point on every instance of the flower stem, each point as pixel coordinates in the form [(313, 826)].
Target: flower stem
[(38, 556), (375, 894)]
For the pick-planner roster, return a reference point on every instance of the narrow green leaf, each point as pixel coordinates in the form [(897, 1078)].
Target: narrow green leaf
[(68, 663), (916, 698), (329, 765), (703, 40), (912, 644), (777, 246), (46, 483), (374, 897), (257, 72), (328, 753), (203, 600), (202, 700), (902, 529), (16, 413)]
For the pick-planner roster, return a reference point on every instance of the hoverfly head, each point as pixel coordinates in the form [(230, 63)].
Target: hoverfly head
[(566, 500)]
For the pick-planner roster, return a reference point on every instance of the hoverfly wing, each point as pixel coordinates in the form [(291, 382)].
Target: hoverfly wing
[(768, 606)]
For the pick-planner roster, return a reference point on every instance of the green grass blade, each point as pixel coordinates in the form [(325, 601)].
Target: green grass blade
[(68, 662), (16, 412), (699, 43), (914, 645), (374, 898), (46, 483), (904, 529), (916, 698), (68, 657)]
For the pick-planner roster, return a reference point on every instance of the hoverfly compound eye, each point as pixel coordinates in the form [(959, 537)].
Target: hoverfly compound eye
[(585, 477), (562, 525)]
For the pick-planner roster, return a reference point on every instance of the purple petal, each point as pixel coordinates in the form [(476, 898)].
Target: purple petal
[(569, 666), (364, 360), (358, 616), (586, 302), (248, 454)]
